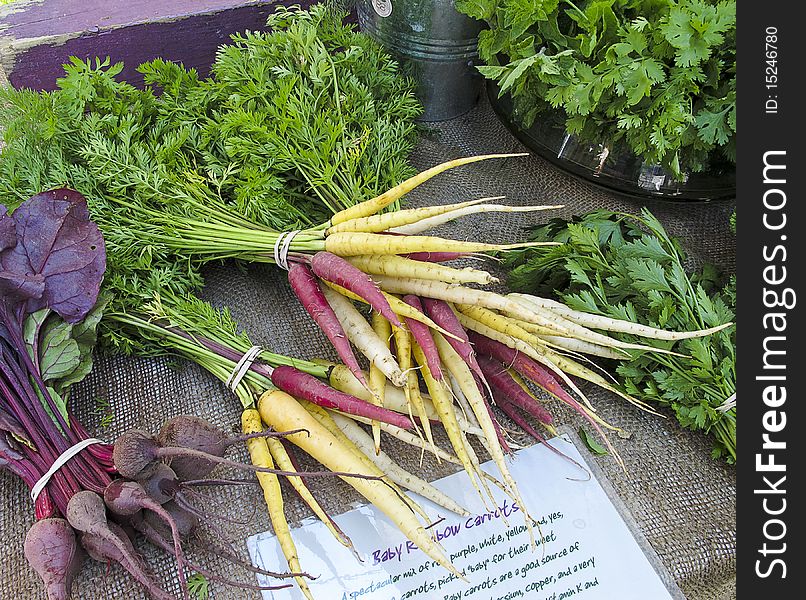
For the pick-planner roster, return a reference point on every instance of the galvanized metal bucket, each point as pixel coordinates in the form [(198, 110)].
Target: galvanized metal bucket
[(435, 44)]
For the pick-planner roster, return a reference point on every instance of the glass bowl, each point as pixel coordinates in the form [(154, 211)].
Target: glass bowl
[(615, 168)]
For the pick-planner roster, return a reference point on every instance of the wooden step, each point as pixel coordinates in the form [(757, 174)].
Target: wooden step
[(38, 36)]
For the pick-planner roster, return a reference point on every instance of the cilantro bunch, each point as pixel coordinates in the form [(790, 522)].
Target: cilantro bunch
[(656, 75), (628, 267)]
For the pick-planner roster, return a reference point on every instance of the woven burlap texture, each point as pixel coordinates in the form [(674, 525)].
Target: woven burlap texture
[(682, 501)]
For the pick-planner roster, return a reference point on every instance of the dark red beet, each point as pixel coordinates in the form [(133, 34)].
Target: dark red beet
[(136, 455), (162, 484), (52, 550), (188, 431), (186, 522), (116, 546), (126, 498)]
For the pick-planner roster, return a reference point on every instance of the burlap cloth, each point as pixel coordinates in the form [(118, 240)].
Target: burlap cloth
[(683, 502)]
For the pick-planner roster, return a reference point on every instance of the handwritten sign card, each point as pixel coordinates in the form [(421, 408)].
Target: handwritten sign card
[(587, 550)]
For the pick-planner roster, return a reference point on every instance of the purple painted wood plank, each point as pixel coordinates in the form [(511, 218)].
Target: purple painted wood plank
[(57, 17), (187, 31)]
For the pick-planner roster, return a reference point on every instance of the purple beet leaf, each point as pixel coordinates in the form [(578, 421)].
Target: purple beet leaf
[(58, 258)]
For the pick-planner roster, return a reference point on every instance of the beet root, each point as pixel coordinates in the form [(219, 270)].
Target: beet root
[(126, 498), (137, 454), (186, 522), (187, 431), (195, 433), (103, 549), (86, 512), (162, 485), (52, 550)]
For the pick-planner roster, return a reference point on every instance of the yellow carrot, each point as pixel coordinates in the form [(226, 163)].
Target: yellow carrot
[(354, 244), (443, 404), (500, 323), (283, 413), (260, 456), (459, 294), (382, 222), (284, 462), (570, 344), (400, 266), (377, 380), (411, 390), (569, 328), (374, 205), (521, 330), (325, 417), (393, 470), (459, 369)]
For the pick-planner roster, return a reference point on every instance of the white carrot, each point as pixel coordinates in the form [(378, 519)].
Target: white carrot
[(400, 266), (383, 222), (399, 307), (611, 324), (441, 219), (363, 337)]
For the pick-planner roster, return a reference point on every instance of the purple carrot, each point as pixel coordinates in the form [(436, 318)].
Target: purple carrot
[(301, 385), (306, 287), (422, 335), (534, 372), (442, 314), (513, 413), (335, 269), (523, 364), (499, 432), (505, 385)]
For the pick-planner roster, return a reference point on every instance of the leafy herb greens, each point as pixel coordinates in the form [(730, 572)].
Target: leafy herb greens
[(628, 267), (658, 74), (292, 125)]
